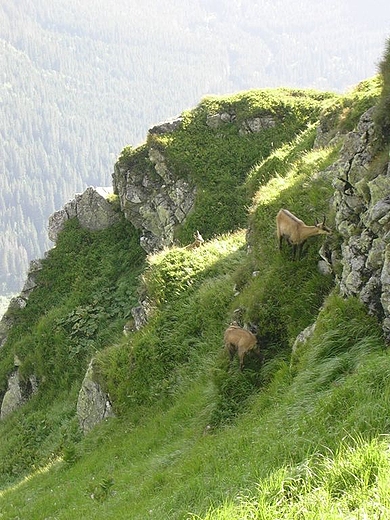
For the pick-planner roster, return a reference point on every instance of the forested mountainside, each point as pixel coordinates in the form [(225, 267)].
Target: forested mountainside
[(302, 429), (80, 80)]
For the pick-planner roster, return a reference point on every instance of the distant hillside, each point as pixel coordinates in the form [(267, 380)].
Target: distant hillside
[(81, 80)]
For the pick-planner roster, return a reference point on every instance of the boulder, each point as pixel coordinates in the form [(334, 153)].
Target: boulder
[(215, 121), (91, 208), (167, 126), (18, 392), (257, 124), (13, 397), (93, 404)]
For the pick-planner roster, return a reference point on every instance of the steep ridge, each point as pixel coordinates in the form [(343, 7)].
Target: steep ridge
[(281, 158)]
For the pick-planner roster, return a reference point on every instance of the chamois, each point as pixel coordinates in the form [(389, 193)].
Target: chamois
[(199, 240), (296, 232), (241, 341)]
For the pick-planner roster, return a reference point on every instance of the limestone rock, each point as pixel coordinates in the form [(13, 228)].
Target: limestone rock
[(141, 314), (385, 293), (13, 397), (30, 283), (248, 126), (362, 218), (167, 126), (6, 322), (216, 120), (299, 343), (155, 198), (257, 124), (17, 394)]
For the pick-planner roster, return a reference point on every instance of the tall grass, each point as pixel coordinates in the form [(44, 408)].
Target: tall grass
[(85, 291), (347, 484), (300, 446), (190, 293)]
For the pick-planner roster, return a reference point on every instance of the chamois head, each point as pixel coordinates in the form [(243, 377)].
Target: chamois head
[(322, 227), (198, 241)]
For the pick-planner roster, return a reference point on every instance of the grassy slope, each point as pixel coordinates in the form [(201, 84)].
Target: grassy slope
[(196, 437)]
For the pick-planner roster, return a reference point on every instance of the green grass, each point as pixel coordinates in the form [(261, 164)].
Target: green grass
[(350, 483), (296, 446)]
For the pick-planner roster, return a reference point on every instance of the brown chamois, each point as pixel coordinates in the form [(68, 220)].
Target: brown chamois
[(197, 242), (241, 341), (296, 232)]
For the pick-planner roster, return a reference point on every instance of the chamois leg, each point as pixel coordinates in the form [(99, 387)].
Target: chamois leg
[(300, 250), (231, 350), (241, 357)]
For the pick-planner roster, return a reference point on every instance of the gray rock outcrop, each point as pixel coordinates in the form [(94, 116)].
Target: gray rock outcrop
[(167, 126), (13, 397), (91, 208), (251, 125), (18, 393), (257, 124), (152, 196), (362, 215), (93, 404)]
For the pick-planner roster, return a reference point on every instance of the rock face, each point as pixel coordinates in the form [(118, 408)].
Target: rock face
[(91, 208), (20, 301), (153, 197), (93, 405), (18, 392), (362, 214)]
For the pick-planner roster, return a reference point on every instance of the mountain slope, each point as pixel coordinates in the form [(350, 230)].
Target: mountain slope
[(195, 437)]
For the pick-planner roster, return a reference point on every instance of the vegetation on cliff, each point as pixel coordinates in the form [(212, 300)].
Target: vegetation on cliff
[(194, 437)]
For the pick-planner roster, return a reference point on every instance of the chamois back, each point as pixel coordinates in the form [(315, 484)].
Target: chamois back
[(240, 341)]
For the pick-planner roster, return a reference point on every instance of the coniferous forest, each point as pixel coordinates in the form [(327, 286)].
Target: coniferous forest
[(82, 79)]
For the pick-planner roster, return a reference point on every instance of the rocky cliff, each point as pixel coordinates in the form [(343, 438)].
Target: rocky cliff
[(94, 212), (91, 208), (152, 196), (361, 206)]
